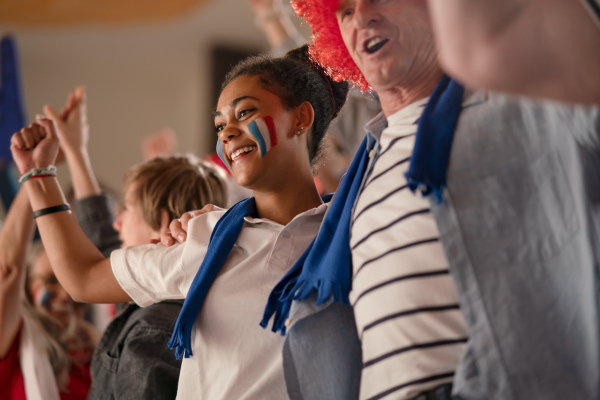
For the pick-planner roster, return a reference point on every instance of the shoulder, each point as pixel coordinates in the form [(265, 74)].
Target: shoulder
[(204, 223)]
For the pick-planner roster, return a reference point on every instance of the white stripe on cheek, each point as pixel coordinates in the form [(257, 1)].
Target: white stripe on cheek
[(264, 132)]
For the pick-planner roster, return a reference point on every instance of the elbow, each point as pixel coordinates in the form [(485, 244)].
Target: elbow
[(9, 274), (79, 298), (76, 291), (80, 294)]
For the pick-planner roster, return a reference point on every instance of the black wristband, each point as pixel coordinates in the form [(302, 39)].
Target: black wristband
[(50, 210)]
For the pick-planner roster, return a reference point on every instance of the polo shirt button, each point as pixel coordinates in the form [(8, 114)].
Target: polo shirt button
[(371, 153)]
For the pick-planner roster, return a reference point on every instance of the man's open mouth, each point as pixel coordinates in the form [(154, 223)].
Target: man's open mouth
[(374, 44)]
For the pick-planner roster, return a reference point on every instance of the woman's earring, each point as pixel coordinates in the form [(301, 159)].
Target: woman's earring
[(299, 132)]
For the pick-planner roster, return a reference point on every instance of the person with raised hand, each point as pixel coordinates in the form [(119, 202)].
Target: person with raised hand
[(45, 344), (133, 348), (271, 117)]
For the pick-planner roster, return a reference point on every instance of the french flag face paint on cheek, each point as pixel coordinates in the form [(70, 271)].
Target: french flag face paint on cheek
[(263, 129), (220, 153), (41, 296)]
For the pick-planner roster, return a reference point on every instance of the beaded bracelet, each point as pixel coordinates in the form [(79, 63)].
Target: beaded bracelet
[(50, 170), (51, 210)]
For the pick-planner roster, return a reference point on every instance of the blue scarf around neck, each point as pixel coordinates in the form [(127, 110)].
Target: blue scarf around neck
[(222, 239), (326, 266)]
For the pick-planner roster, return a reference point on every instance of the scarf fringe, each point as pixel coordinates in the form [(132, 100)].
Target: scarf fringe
[(298, 289), (326, 264), (181, 340), (426, 189), (325, 269)]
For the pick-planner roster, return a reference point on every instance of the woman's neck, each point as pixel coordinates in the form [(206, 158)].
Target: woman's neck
[(283, 205)]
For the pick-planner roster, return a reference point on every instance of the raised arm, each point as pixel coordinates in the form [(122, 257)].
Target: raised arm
[(94, 210), (270, 17), (78, 264), (73, 131), (15, 239), (539, 48)]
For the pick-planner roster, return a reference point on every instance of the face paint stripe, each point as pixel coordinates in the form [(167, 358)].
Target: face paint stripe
[(220, 154), (262, 127), (271, 128), (257, 135), (42, 296)]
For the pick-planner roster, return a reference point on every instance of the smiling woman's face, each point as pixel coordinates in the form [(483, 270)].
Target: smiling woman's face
[(244, 111)]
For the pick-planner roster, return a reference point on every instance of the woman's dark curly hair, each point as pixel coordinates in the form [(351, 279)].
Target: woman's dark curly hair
[(295, 79)]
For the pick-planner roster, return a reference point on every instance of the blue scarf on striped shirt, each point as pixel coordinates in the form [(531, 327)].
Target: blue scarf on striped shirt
[(326, 265)]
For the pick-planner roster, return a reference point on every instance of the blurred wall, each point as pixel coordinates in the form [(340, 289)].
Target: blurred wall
[(139, 78)]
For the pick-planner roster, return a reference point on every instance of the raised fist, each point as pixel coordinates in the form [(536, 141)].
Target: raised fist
[(35, 146)]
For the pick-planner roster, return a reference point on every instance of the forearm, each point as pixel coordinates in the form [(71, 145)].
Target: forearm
[(15, 238), (83, 178), (80, 267), (461, 26), (279, 29), (467, 30), (530, 47), (17, 232)]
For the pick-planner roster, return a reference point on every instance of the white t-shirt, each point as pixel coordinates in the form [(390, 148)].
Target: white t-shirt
[(234, 358), (405, 302)]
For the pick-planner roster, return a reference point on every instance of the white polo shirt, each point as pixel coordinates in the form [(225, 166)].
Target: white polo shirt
[(234, 357)]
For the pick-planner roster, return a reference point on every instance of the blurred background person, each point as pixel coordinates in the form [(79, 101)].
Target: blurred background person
[(45, 343)]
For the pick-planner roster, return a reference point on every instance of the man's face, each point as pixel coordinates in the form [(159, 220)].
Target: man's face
[(389, 40)]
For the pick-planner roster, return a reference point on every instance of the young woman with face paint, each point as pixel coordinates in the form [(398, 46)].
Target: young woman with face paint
[(271, 118)]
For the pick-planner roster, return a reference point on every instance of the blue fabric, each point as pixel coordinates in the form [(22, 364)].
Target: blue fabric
[(9, 183), (221, 242), (324, 265), (429, 160), (221, 156), (12, 117), (327, 263)]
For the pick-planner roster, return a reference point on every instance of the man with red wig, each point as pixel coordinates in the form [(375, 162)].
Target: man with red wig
[(472, 220)]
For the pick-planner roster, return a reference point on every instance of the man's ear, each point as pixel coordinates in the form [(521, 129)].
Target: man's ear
[(305, 117)]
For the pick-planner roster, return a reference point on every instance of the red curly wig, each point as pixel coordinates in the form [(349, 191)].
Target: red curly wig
[(328, 48)]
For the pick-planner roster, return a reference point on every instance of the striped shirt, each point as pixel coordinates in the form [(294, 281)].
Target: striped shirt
[(405, 302)]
